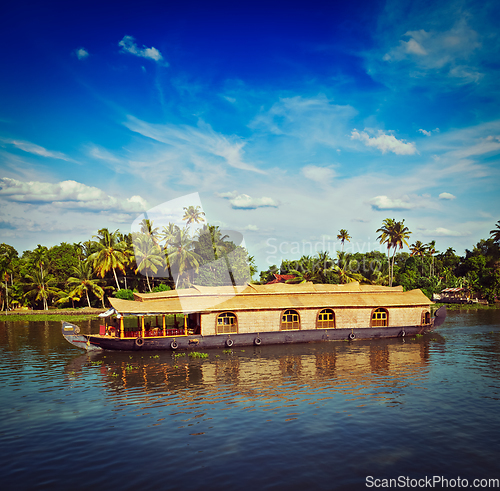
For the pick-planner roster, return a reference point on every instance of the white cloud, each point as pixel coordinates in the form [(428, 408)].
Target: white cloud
[(424, 132), (245, 202), (443, 232), (67, 194), (385, 203), (128, 45), (446, 196), (35, 149), (321, 175), (384, 142), (81, 53)]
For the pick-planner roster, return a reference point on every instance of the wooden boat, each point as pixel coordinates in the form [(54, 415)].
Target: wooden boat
[(221, 317)]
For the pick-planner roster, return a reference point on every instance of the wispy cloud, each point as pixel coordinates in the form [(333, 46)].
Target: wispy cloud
[(447, 51), (196, 142), (128, 45), (35, 149), (385, 142), (321, 175)]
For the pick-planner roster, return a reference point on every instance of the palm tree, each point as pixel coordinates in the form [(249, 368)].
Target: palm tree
[(169, 234), (399, 236), (344, 274), (343, 236), (148, 229), (418, 249), (7, 268), (83, 283), (394, 234), (431, 250), (42, 286), (182, 256), (148, 255), (385, 237), (495, 233), (193, 214), (112, 254)]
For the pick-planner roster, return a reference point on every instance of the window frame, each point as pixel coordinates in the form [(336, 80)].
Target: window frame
[(226, 315), (288, 328), (325, 324), (375, 322)]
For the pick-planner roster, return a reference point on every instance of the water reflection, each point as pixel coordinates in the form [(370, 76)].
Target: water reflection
[(264, 375)]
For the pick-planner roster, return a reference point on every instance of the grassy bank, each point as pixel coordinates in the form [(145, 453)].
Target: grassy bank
[(51, 315)]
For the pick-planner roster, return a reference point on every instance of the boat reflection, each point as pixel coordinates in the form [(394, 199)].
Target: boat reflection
[(366, 368)]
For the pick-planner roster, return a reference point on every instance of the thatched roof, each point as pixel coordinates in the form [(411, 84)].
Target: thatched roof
[(269, 297)]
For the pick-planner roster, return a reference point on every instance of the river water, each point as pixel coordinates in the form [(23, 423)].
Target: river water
[(318, 416)]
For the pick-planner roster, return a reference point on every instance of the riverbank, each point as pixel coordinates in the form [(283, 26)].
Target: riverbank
[(466, 306), (51, 315)]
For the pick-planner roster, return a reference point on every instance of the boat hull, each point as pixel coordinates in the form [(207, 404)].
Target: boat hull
[(197, 342)]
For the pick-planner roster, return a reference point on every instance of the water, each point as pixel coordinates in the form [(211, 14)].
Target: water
[(321, 416)]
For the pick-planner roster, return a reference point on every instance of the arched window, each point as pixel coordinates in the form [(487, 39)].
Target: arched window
[(380, 318), (290, 320), (326, 319), (426, 318), (227, 323)]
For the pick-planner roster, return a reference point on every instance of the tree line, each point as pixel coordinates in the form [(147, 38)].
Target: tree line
[(112, 263), (421, 267), (154, 259)]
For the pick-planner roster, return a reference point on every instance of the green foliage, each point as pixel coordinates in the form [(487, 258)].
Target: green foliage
[(161, 288), (61, 259), (124, 294)]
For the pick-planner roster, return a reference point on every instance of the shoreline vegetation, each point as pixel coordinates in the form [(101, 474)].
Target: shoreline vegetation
[(62, 279), (85, 314)]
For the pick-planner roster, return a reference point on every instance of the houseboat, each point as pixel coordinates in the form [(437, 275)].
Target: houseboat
[(221, 317)]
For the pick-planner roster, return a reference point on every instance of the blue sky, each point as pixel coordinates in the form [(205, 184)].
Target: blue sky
[(291, 121)]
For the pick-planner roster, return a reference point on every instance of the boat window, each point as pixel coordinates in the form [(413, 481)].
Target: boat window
[(380, 318), (227, 323), (326, 319), (290, 320), (426, 317)]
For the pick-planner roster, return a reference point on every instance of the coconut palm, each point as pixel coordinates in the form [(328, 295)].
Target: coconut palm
[(419, 249), (169, 234), (181, 256), (385, 237), (343, 236), (83, 283), (112, 254), (343, 272), (495, 233), (431, 250), (148, 229), (41, 286), (193, 214), (7, 269), (399, 236), (148, 255), (394, 234)]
